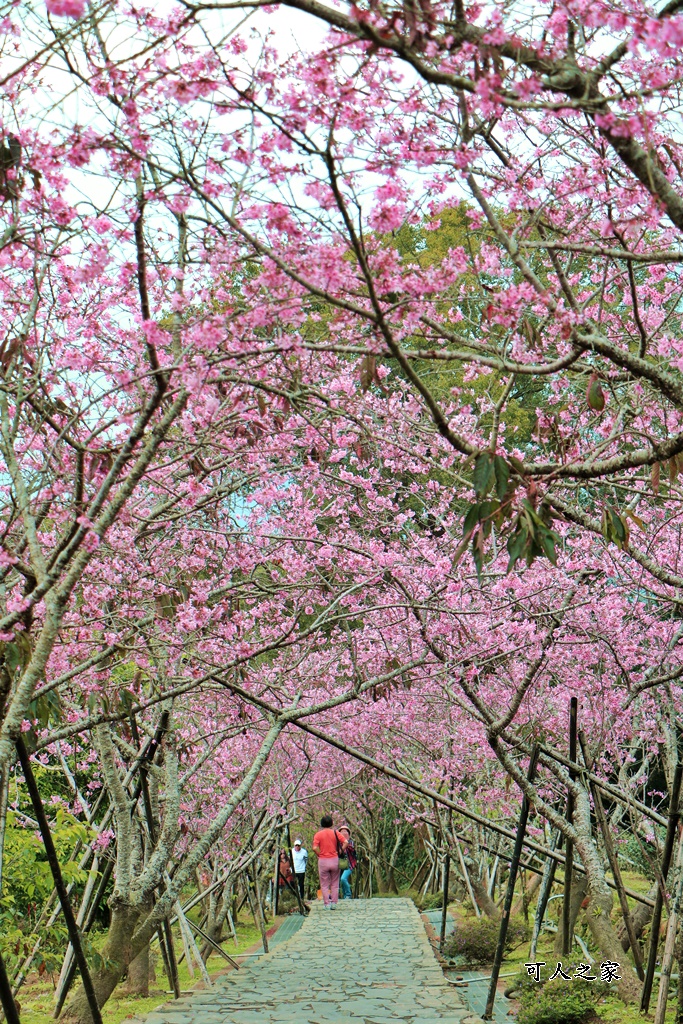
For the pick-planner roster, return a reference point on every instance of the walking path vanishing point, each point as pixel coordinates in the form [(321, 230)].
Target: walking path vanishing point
[(367, 960)]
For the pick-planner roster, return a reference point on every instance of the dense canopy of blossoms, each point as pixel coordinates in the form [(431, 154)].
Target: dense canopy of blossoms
[(340, 387)]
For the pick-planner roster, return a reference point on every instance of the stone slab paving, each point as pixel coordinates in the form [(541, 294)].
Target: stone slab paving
[(475, 991), (476, 994), (367, 961), (289, 926), (434, 917)]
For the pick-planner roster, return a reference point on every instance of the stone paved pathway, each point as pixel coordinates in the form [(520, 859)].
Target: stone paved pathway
[(367, 961)]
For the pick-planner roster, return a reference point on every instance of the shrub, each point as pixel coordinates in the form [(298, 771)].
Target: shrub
[(287, 901), (475, 939), (558, 1002), (430, 901)]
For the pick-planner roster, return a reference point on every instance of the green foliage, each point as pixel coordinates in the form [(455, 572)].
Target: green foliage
[(27, 884), (614, 528), (475, 939), (530, 535), (427, 901), (489, 470), (558, 1002)]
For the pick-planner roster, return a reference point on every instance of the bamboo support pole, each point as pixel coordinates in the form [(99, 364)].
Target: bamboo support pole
[(567, 931), (53, 862), (258, 921), (543, 897), (614, 866), (80, 921), (212, 942), (276, 880), (191, 945), (674, 798), (510, 893), (670, 941), (9, 1007), (444, 909), (466, 876)]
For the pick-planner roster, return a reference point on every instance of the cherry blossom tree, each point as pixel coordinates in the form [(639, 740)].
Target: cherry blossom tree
[(345, 383)]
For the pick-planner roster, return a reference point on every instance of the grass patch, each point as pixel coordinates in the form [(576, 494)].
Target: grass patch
[(36, 996)]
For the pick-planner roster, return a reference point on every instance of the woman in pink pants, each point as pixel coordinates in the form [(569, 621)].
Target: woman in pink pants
[(327, 844)]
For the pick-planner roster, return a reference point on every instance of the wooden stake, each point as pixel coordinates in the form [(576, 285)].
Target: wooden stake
[(543, 897), (444, 911), (670, 941), (53, 861), (614, 865), (567, 933), (509, 895), (9, 1007), (672, 824)]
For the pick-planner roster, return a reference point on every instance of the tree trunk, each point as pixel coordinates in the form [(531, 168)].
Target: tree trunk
[(137, 983), (524, 900), (579, 890), (117, 954), (483, 899), (641, 916), (600, 901), (391, 880), (607, 940), (379, 877)]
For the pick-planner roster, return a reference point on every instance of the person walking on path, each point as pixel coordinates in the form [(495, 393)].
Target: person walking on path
[(328, 844), (300, 859), (351, 861), (285, 872)]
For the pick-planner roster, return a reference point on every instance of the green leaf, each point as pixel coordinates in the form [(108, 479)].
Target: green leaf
[(614, 528), (605, 525), (619, 528), (471, 519), (502, 471), (636, 519), (483, 475), (515, 546), (478, 552), (595, 395), (548, 538)]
